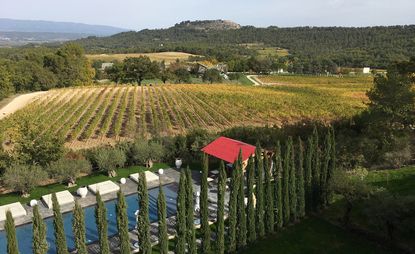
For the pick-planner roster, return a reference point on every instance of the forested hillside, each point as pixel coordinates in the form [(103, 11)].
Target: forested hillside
[(308, 46)]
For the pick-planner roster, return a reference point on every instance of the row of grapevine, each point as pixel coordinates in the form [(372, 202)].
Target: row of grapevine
[(74, 116), (131, 124), (96, 119), (110, 114), (82, 123), (121, 111)]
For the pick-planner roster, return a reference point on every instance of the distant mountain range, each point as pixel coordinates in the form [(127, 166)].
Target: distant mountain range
[(14, 31)]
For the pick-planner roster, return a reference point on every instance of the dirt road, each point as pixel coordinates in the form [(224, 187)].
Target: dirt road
[(254, 80), (18, 103)]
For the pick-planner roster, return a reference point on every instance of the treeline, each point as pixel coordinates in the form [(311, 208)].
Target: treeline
[(136, 69), (40, 68), (291, 181), (325, 46)]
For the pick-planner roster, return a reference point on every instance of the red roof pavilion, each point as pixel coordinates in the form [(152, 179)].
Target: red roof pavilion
[(228, 149)]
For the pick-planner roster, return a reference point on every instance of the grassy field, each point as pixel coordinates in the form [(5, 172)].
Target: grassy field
[(314, 235), (93, 115), (267, 51), (168, 57)]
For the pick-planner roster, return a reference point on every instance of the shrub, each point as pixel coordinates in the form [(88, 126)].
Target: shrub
[(23, 178), (144, 152), (108, 159), (68, 170)]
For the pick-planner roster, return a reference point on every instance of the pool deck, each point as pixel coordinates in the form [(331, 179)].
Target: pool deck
[(170, 176)]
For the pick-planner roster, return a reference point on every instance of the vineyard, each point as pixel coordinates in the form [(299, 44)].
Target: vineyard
[(89, 116)]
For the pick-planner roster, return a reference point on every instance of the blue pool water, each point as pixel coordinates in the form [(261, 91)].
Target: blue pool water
[(24, 232)]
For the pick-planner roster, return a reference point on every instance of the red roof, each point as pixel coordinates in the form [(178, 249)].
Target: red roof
[(228, 149)]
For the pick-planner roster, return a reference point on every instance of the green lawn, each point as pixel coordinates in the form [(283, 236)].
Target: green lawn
[(38, 192), (398, 181), (314, 235)]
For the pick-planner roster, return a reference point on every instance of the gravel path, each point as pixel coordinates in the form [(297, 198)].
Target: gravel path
[(18, 103)]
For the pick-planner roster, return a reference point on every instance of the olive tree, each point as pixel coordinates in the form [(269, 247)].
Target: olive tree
[(109, 159), (67, 170), (23, 178)]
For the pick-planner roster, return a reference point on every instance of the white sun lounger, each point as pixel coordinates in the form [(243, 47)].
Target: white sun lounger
[(16, 209), (150, 177), (104, 187), (64, 198)]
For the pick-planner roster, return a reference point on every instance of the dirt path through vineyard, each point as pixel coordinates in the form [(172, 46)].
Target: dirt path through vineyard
[(18, 103)]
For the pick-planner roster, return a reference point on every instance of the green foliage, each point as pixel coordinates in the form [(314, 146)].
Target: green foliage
[(108, 159), (279, 222), (241, 232), (162, 225), (260, 211), (300, 180), (392, 215), (232, 219), (250, 169), (204, 207), (142, 152), (134, 69), (352, 188), (60, 238), (68, 170), (220, 222), (70, 65), (102, 225), (190, 228), (212, 75), (308, 177), (6, 85), (325, 168), (180, 247), (285, 182), (143, 220), (292, 183), (12, 247), (34, 143), (78, 227), (23, 178), (316, 170), (40, 244), (269, 198), (122, 223), (182, 75)]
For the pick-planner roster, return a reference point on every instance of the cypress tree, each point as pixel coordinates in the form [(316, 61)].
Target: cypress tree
[(143, 220), (300, 180), (102, 224), (78, 227), (180, 247), (241, 232), (332, 165), (251, 208), (269, 211), (285, 182), (325, 169), (60, 239), (278, 187), (122, 223), (191, 233), (293, 186), (308, 177), (220, 217), (259, 192), (11, 234), (39, 244), (316, 167), (204, 208), (162, 225), (233, 201)]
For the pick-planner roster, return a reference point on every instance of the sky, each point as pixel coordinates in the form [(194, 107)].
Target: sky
[(139, 14)]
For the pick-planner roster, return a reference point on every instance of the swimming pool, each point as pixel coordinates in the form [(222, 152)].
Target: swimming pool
[(24, 232)]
